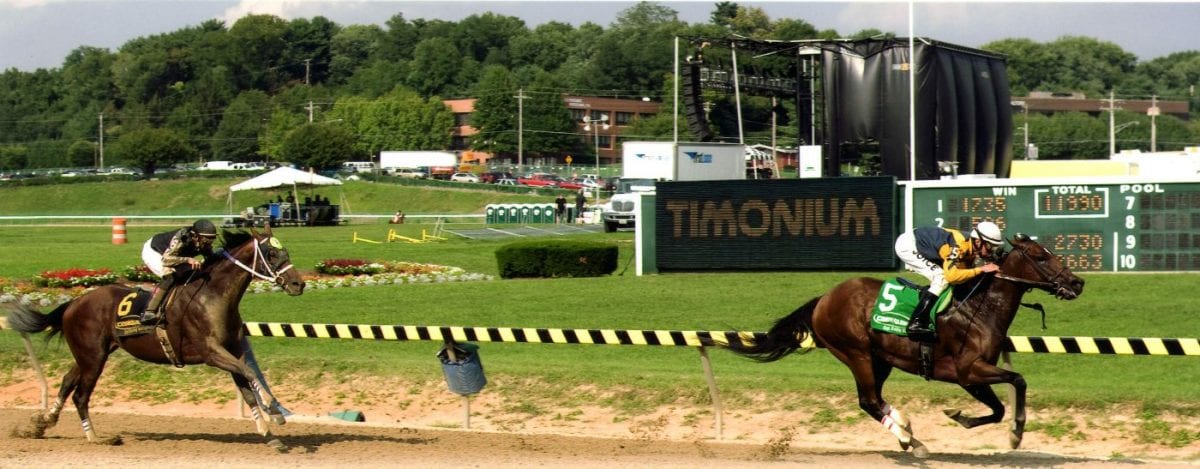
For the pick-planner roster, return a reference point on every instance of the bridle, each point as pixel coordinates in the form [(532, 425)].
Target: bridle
[(272, 275), (1052, 284)]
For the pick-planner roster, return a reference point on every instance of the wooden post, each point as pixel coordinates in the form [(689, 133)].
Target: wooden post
[(37, 368), (712, 390)]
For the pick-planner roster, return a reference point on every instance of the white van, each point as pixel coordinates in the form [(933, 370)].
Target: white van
[(358, 166), (220, 165)]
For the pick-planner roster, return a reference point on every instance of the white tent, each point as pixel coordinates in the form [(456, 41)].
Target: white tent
[(282, 176)]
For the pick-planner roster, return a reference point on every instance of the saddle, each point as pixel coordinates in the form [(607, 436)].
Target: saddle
[(894, 307), (129, 320)]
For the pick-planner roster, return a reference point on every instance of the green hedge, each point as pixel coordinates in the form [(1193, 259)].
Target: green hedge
[(541, 258)]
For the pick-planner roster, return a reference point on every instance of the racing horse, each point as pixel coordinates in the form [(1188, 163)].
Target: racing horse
[(971, 336), (203, 324)]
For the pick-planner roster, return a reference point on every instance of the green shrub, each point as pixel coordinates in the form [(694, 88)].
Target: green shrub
[(540, 258)]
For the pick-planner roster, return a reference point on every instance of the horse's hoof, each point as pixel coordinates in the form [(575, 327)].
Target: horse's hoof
[(903, 446), (278, 445), (278, 419), (956, 415), (1014, 440), (919, 450)]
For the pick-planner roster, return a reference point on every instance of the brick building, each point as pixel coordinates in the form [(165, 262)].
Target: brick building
[(618, 112)]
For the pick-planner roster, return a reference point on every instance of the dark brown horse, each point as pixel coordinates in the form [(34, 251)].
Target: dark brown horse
[(202, 323), (971, 335)]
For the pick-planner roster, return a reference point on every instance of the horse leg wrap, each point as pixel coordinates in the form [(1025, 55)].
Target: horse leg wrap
[(898, 424), (87, 430)]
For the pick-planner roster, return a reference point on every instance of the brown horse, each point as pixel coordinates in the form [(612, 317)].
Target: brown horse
[(970, 338), (202, 323)]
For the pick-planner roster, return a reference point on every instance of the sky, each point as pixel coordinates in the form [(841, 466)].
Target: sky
[(40, 33)]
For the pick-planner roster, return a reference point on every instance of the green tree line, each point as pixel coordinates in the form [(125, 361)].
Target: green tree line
[(314, 92)]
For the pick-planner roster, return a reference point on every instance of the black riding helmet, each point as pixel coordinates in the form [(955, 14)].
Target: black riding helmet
[(204, 228)]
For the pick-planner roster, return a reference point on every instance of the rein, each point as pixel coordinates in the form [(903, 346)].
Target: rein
[(272, 276)]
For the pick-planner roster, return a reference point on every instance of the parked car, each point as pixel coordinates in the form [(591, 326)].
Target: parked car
[(540, 179), (491, 177), (587, 182), (464, 177), (572, 185), (506, 182), (409, 173)]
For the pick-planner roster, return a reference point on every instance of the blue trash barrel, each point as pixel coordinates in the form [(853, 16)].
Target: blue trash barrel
[(464, 375)]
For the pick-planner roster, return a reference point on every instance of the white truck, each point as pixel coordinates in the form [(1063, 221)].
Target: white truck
[(433, 163), (644, 163)]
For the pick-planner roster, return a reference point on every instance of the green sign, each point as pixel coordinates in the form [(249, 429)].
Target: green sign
[(1106, 226)]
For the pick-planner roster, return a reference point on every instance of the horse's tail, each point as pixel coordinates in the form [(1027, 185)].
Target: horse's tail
[(26, 319), (785, 337)]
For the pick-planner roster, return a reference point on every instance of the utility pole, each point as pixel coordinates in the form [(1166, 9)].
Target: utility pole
[(1153, 111), (1112, 124), (101, 168), (310, 111), (520, 128), (307, 62)]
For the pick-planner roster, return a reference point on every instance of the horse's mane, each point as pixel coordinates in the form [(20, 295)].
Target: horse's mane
[(234, 238)]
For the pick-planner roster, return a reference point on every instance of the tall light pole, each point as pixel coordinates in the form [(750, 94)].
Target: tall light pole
[(587, 125)]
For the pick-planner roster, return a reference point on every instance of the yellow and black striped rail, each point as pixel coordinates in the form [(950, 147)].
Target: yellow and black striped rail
[(1019, 344)]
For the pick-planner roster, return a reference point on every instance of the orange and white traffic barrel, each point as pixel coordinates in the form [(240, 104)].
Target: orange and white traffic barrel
[(118, 231)]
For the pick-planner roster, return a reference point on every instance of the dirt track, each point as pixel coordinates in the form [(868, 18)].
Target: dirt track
[(229, 442)]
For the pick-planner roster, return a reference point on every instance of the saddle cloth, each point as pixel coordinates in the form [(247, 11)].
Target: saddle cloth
[(895, 303), (129, 313)]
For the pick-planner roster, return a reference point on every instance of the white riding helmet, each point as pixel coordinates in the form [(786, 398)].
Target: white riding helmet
[(988, 232)]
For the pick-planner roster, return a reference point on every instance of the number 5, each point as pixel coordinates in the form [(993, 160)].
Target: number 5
[(890, 300)]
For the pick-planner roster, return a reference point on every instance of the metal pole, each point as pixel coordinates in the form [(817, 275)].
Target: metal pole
[(912, 99), (675, 98)]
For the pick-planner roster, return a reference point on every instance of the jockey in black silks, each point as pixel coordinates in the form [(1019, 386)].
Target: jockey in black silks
[(172, 253)]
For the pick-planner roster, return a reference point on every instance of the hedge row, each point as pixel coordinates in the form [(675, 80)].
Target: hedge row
[(542, 258)]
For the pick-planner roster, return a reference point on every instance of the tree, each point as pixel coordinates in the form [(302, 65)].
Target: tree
[(1069, 135), (258, 43), (549, 130), (13, 158), (150, 149), (435, 63), (486, 38), (495, 112), (237, 137), (350, 49), (307, 55), (82, 153), (632, 54), (723, 14), (320, 146)]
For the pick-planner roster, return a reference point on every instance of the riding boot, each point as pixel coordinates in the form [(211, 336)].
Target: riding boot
[(150, 315), (919, 326)]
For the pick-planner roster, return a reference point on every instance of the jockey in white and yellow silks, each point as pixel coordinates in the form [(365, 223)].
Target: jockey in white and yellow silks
[(946, 257)]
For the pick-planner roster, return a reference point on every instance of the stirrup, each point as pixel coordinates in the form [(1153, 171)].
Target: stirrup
[(926, 336), (149, 317)]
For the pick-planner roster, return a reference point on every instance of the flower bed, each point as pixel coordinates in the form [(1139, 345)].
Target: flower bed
[(348, 267), (57, 287), (75, 277)]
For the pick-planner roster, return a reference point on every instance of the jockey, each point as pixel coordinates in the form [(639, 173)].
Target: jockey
[(945, 257), (170, 253)]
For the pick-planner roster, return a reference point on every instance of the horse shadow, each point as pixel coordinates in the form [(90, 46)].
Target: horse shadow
[(310, 443), (1009, 459)]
